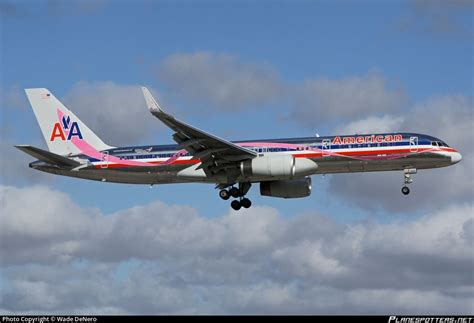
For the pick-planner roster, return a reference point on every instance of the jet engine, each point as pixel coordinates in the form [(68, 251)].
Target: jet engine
[(278, 166), (288, 189)]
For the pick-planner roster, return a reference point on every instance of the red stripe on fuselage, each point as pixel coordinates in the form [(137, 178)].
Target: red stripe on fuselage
[(156, 163), (329, 152)]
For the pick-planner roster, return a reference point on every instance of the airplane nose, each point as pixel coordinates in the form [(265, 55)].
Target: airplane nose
[(455, 157)]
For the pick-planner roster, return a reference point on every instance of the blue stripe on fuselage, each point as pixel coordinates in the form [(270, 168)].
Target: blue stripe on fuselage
[(422, 139)]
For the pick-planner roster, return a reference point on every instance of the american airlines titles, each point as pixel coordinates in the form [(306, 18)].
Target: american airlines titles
[(366, 139)]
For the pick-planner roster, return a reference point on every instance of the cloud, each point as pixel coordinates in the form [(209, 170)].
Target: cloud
[(159, 258), (386, 123), (219, 80), (117, 113), (449, 118), (13, 98), (328, 100), (441, 115), (22, 11), (439, 18), (14, 167), (224, 82)]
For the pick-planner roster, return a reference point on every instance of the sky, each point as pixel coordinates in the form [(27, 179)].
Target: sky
[(240, 70)]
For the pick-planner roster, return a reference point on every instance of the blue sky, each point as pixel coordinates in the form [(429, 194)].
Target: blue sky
[(301, 40), (244, 70)]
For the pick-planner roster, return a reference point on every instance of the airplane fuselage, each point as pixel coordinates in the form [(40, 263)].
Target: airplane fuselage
[(160, 164)]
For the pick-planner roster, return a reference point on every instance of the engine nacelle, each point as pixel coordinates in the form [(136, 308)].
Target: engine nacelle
[(279, 166), (287, 189), (276, 166)]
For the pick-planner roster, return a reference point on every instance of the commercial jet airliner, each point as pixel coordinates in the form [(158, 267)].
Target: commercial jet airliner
[(282, 167)]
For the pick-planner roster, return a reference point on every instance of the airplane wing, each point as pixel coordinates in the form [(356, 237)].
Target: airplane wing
[(202, 145)]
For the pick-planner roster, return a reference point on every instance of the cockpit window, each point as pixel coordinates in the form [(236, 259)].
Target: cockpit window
[(439, 143)]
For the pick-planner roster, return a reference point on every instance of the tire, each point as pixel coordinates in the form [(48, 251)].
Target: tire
[(236, 205), (246, 203), (234, 192), (405, 190), (224, 194)]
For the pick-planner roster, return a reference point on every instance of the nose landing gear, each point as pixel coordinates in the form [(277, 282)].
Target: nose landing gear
[(239, 193), (405, 190), (407, 179)]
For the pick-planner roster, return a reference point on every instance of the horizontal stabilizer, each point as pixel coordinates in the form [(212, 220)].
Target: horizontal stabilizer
[(47, 156)]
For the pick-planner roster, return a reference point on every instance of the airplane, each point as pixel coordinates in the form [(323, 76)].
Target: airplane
[(282, 167)]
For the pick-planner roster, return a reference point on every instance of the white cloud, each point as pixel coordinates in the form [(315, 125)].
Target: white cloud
[(219, 80), (449, 117), (52, 11), (326, 99), (13, 98), (439, 18), (117, 113), (224, 82), (386, 123), (14, 164), (161, 258)]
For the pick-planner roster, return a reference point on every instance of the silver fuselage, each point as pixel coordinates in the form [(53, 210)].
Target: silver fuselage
[(336, 154)]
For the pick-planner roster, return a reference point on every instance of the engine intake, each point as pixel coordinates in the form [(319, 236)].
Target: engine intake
[(287, 189)]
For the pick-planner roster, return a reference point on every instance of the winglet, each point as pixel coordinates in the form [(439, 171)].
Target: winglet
[(150, 101)]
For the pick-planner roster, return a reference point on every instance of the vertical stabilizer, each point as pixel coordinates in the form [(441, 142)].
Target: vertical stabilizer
[(64, 133)]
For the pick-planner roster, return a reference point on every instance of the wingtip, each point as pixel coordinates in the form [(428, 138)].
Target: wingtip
[(36, 89), (150, 101), (22, 147)]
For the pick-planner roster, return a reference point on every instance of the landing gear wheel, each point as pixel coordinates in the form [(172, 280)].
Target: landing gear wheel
[(224, 194), (234, 192), (405, 190), (246, 203), (236, 205)]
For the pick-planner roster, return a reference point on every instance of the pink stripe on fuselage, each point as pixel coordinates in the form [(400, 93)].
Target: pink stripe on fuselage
[(90, 151)]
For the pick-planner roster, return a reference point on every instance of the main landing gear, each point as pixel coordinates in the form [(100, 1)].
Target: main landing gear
[(238, 193), (407, 179)]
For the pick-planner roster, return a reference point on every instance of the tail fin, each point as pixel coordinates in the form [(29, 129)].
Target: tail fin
[(64, 133)]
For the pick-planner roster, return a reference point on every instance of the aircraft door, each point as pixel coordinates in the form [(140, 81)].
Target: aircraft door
[(325, 147), (413, 144), (105, 159)]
